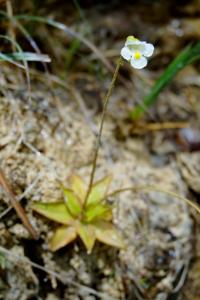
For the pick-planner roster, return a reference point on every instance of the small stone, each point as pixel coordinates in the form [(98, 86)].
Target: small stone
[(20, 231)]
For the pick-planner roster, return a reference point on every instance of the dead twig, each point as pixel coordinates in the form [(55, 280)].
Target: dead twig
[(20, 197), (17, 206), (143, 128)]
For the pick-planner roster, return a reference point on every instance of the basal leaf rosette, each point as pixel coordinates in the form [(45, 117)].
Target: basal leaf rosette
[(90, 219)]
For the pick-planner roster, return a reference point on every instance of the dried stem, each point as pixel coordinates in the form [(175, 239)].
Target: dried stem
[(10, 16), (18, 208), (152, 188), (98, 141)]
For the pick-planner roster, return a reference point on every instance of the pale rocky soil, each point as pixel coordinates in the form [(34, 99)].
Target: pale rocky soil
[(42, 142)]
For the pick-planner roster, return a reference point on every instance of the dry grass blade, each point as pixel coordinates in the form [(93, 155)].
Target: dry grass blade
[(69, 31), (11, 30), (152, 188), (27, 36), (14, 43), (18, 208), (20, 197), (31, 42), (142, 128), (28, 56)]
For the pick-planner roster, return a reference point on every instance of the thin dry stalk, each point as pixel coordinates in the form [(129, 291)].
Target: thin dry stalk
[(98, 142), (142, 128), (17, 206)]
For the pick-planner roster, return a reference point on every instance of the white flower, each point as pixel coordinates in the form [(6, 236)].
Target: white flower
[(136, 51)]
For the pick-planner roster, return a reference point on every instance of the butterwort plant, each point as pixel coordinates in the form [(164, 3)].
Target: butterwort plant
[(84, 210), (89, 218)]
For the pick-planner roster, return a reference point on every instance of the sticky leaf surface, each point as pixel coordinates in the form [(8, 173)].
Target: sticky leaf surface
[(99, 190), (108, 234), (54, 211), (62, 237), (87, 235), (72, 202), (78, 186), (98, 211)]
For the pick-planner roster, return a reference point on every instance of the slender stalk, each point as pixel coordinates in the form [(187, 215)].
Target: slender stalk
[(18, 208), (10, 17), (152, 188), (98, 141)]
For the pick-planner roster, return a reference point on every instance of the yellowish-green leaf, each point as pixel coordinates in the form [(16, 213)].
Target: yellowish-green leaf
[(99, 190), (98, 211), (108, 234), (87, 235), (72, 202), (78, 186), (62, 237), (56, 211)]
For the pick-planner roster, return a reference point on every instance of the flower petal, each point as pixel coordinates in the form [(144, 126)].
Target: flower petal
[(131, 40), (126, 53), (138, 63), (136, 47), (148, 51)]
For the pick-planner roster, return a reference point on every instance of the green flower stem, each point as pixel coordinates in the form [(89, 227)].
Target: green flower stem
[(98, 141)]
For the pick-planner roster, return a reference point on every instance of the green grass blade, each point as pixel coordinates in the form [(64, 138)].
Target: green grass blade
[(187, 56), (21, 56), (25, 64), (31, 41), (27, 56), (27, 36), (74, 47), (80, 10), (67, 30), (4, 57)]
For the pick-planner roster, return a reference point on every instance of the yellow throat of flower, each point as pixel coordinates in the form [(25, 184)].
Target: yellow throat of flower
[(137, 55)]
